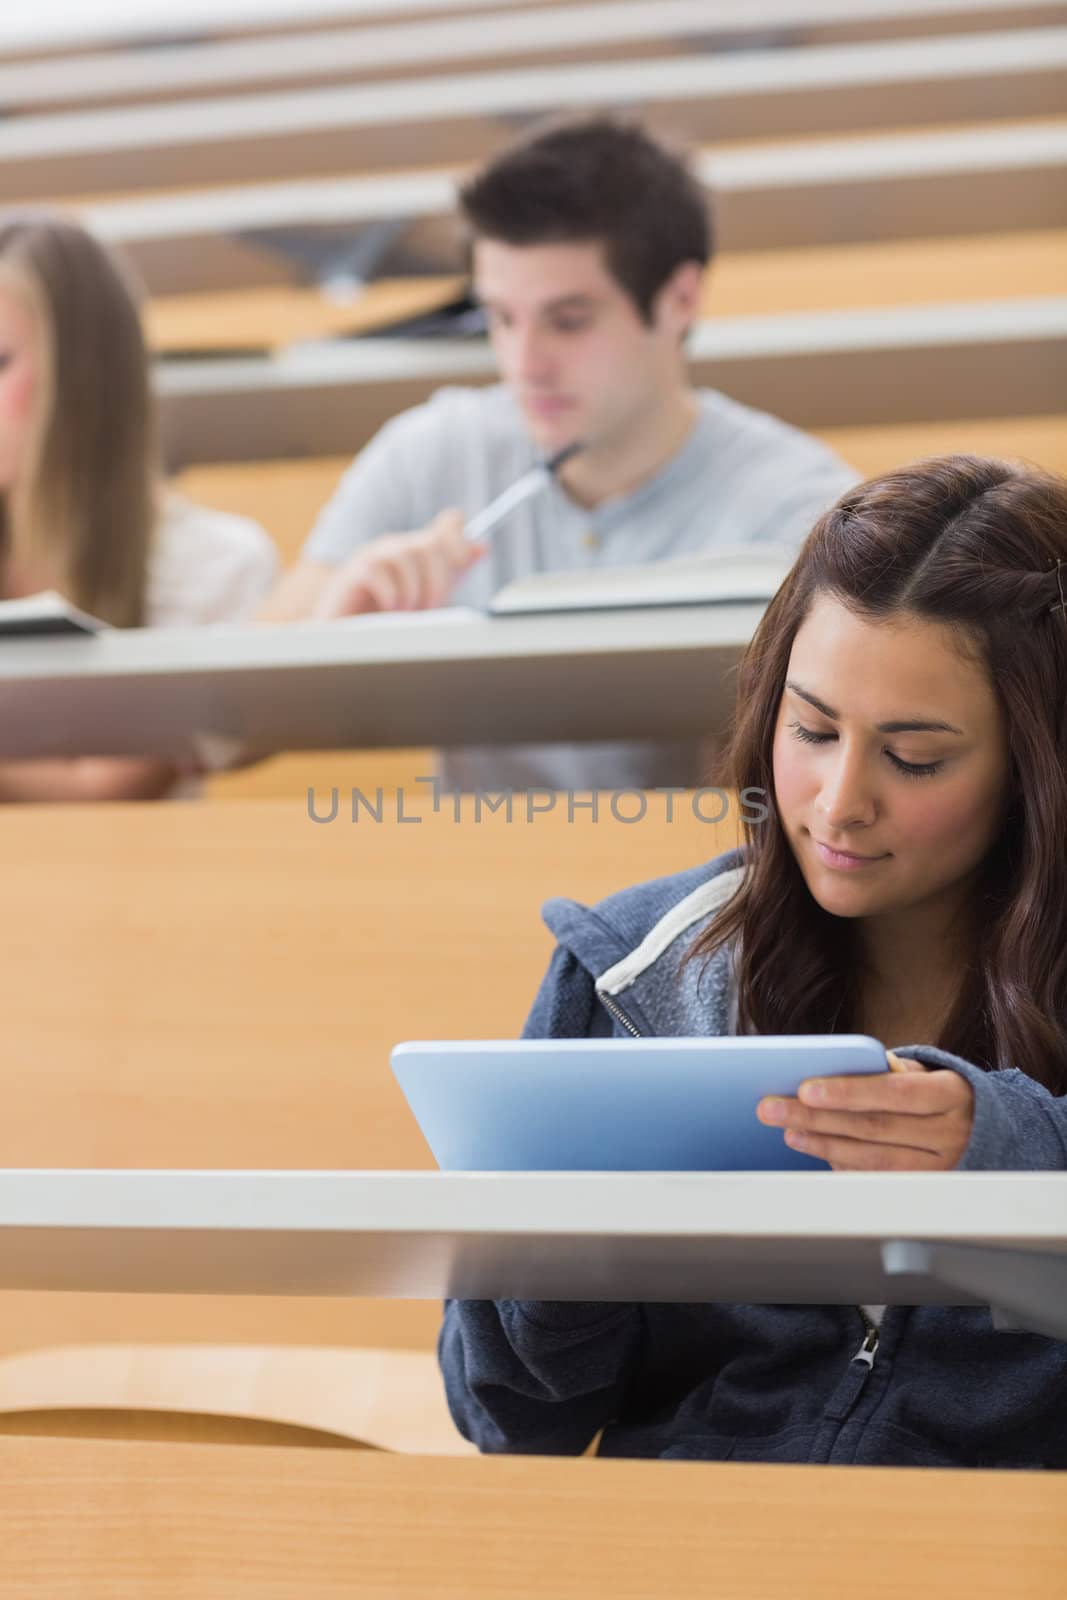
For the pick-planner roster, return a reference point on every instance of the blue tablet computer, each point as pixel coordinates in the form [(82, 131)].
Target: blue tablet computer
[(616, 1105)]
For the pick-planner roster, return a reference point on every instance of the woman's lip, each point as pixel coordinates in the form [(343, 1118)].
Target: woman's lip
[(847, 858)]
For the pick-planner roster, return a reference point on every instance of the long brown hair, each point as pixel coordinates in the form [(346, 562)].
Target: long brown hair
[(87, 503), (974, 544)]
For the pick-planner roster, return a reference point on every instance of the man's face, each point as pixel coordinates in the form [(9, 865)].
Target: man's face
[(571, 344)]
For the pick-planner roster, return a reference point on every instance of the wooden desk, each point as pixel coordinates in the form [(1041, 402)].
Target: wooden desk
[(408, 679), (44, 34), (220, 987), (844, 190), (746, 283), (271, 318), (790, 1238), (361, 54), (115, 1520), (1041, 440), (897, 364), (761, 93), (358, 55)]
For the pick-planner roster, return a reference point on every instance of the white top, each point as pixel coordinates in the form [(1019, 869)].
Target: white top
[(206, 566), (202, 566)]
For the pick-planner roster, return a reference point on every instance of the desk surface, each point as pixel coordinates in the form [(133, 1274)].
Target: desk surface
[(307, 59), (420, 679), (733, 94), (173, 68), (110, 1520), (815, 192), (799, 1238), (49, 30), (821, 279), (895, 363)]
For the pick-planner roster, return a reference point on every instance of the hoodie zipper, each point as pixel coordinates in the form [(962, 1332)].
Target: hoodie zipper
[(847, 1393), (872, 1335), (619, 1014), (868, 1349)]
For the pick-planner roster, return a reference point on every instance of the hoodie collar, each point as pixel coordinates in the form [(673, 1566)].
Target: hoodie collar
[(646, 978)]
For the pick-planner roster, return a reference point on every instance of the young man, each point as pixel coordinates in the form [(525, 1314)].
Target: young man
[(590, 241)]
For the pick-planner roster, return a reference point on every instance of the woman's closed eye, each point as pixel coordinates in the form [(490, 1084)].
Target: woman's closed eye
[(909, 769)]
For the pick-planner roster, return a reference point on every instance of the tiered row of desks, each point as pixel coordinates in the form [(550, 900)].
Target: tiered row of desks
[(207, 986)]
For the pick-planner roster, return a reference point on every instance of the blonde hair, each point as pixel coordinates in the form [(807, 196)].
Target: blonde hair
[(87, 502)]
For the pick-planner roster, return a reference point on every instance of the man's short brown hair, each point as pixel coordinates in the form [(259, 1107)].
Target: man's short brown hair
[(598, 180)]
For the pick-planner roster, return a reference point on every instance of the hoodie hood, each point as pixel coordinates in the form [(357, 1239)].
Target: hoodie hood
[(634, 945)]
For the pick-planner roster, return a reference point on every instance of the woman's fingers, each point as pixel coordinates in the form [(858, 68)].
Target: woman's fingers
[(853, 1155), (875, 1127), (886, 1121), (908, 1093)]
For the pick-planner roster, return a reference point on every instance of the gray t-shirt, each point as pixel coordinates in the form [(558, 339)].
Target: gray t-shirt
[(741, 476)]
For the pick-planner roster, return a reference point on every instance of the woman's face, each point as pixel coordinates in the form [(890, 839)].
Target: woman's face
[(890, 762), (20, 362)]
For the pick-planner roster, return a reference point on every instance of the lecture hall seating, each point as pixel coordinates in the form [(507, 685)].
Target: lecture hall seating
[(756, 93), (622, 30), (846, 190), (250, 1024)]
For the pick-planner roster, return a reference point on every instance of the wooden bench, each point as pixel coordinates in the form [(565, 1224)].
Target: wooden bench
[(998, 76), (497, 38), (893, 364), (745, 283), (44, 36), (1003, 177), (220, 986)]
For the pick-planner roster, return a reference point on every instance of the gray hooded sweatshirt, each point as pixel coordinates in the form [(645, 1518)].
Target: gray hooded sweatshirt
[(934, 1385)]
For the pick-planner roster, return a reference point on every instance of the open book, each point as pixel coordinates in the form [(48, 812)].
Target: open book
[(730, 576), (46, 612)]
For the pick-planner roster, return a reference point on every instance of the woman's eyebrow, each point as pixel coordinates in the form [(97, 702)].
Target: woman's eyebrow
[(908, 725)]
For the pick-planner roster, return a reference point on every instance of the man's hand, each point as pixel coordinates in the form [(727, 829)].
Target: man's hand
[(402, 571), (905, 1120)]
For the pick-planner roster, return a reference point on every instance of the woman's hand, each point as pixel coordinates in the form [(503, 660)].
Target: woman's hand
[(906, 1120), (80, 779)]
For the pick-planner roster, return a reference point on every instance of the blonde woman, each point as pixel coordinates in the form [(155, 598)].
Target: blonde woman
[(82, 509)]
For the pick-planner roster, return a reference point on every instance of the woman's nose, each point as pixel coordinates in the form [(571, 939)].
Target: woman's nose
[(847, 798)]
